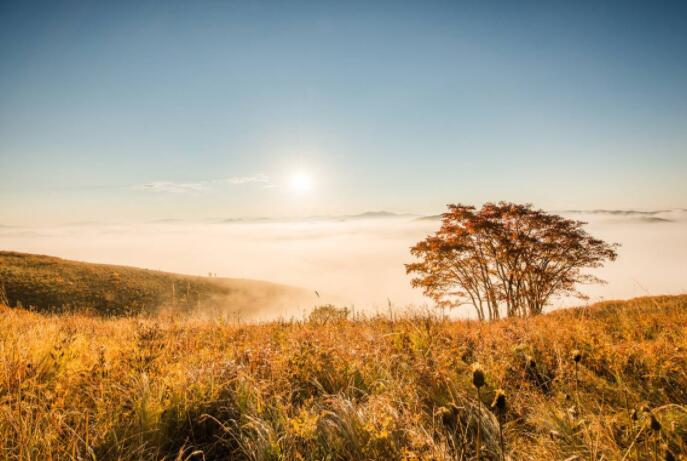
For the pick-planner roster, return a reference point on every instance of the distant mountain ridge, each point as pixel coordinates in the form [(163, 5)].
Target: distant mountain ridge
[(381, 214), (648, 216), (619, 212)]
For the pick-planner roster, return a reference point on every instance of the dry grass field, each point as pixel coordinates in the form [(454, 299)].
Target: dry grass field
[(49, 284), (74, 386)]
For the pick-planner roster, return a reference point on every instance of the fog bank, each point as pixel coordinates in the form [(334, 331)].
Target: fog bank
[(349, 260)]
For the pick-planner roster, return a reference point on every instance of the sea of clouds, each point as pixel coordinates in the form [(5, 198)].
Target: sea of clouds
[(354, 260)]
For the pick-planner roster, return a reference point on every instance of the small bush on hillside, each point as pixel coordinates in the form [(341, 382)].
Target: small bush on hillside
[(328, 313)]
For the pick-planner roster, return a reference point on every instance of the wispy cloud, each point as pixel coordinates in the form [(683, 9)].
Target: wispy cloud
[(201, 186), (167, 186), (258, 178)]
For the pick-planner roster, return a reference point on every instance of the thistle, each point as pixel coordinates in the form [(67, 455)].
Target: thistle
[(478, 382), (576, 355), (499, 404), (477, 376)]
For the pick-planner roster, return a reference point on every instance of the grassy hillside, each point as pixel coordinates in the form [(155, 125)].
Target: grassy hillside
[(50, 284), (80, 387)]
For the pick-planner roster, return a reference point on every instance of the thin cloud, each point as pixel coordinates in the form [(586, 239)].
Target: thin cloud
[(174, 187), (201, 186), (258, 178)]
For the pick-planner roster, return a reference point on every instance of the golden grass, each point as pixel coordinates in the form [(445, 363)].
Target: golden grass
[(55, 285), (80, 387)]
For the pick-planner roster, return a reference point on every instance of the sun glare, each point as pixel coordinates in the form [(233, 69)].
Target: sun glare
[(300, 181)]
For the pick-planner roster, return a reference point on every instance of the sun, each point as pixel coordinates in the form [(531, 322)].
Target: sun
[(300, 181)]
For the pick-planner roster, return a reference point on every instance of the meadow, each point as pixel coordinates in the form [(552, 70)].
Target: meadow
[(49, 284), (603, 382)]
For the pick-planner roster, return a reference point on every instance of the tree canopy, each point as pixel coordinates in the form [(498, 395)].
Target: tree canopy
[(505, 259)]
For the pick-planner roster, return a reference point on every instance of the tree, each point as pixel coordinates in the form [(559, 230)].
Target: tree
[(505, 258)]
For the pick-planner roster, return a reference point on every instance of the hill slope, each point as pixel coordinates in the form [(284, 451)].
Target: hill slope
[(75, 386), (46, 283)]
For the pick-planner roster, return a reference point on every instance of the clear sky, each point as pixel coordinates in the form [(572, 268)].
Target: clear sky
[(149, 110)]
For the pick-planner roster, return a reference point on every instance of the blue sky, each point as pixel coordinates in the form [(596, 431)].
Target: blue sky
[(147, 110)]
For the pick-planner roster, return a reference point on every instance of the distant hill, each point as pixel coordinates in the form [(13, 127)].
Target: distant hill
[(51, 284), (376, 215), (435, 217)]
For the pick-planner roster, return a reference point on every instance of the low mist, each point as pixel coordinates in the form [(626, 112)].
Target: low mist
[(349, 261)]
